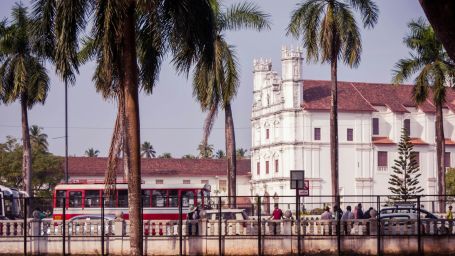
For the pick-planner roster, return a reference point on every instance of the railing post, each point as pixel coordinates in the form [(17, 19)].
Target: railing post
[(338, 229), (378, 226), (297, 217), (180, 228), (219, 227), (419, 236), (64, 226), (102, 227), (24, 229), (259, 226)]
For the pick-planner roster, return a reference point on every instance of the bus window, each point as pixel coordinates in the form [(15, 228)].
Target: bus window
[(187, 198), (75, 199), (123, 198), (145, 198), (173, 198), (61, 194), (159, 198), (92, 198)]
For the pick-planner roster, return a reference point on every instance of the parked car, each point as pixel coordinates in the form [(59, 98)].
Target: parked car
[(227, 214), (409, 209), (82, 221)]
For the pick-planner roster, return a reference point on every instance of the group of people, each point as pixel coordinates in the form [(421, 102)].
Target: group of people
[(348, 214)]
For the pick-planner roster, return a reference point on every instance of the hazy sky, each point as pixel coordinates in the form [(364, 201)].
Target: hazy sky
[(170, 118)]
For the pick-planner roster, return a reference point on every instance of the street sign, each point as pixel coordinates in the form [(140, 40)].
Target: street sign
[(297, 179), (305, 191)]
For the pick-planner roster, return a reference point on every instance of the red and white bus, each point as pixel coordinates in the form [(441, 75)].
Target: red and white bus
[(160, 202)]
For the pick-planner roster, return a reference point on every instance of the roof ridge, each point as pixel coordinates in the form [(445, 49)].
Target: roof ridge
[(363, 97)]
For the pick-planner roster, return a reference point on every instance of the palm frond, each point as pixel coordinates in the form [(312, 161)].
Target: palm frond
[(244, 15), (404, 69), (43, 27), (349, 33), (368, 10)]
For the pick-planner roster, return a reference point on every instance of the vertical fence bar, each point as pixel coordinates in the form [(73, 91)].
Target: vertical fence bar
[(338, 229), (419, 235), (102, 227), (378, 226), (25, 229), (297, 218), (259, 226), (64, 225), (180, 228), (219, 227)]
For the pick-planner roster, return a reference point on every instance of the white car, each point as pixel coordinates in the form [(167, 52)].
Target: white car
[(226, 214)]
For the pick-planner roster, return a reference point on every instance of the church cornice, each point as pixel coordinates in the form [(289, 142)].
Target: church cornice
[(271, 145), (288, 110)]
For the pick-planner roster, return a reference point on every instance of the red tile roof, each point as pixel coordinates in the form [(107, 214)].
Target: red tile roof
[(362, 97), (96, 166), (382, 140), (418, 141)]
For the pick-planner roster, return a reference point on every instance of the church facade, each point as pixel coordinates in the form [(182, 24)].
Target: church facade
[(291, 131)]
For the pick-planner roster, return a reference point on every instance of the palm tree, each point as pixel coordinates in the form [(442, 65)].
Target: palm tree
[(165, 155), (205, 151), (241, 152), (432, 65), (220, 154), (91, 152), (38, 138), (189, 156), (131, 39), (23, 77), (147, 150), (329, 32), (216, 79)]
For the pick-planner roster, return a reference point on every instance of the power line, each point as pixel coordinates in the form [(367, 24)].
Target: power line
[(110, 128)]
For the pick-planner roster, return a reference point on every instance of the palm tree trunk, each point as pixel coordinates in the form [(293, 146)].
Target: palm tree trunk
[(231, 157), (334, 128), (208, 124), (27, 149), (440, 150), (132, 129)]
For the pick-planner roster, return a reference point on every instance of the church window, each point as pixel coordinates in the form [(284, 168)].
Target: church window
[(416, 156), (266, 167), (158, 181), (258, 166), (407, 126), (204, 181), (267, 133), (317, 133), (375, 126), (186, 181), (447, 159), (276, 165), (350, 134), (382, 159)]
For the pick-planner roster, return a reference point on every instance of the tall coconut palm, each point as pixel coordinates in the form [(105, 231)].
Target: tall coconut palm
[(329, 32), (38, 138), (432, 65), (131, 38), (91, 152), (147, 150), (23, 77), (216, 79)]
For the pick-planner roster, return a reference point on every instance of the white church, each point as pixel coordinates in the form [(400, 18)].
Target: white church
[(290, 131)]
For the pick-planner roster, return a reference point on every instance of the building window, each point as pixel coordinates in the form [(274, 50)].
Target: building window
[(186, 181), (204, 181), (276, 165), (375, 126), (222, 185), (266, 167), (382, 161), (267, 133), (350, 134), (416, 156), (258, 168), (447, 159), (159, 182), (407, 126), (317, 133)]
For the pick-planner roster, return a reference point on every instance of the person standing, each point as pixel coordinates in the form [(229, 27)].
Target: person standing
[(277, 214), (449, 213), (359, 211), (347, 215), (326, 215), (337, 212)]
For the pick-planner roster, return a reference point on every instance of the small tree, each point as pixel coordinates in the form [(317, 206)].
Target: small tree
[(405, 178)]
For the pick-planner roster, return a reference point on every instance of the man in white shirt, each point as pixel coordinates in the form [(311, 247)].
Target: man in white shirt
[(327, 215), (347, 215)]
